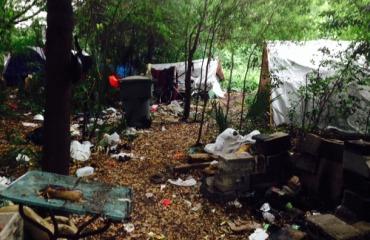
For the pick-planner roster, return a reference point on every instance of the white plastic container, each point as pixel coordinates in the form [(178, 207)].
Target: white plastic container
[(85, 171)]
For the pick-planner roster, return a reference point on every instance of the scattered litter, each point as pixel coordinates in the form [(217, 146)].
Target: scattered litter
[(166, 202), (163, 186), (4, 182), (265, 207), (80, 152), (229, 141), (130, 131), (113, 139), (196, 207), (27, 114), (149, 195), (258, 234), (124, 200), (234, 203), (249, 138), (243, 226), (85, 171), (74, 130), (163, 128), (175, 107), (188, 203), (214, 163), (111, 110), (152, 235), (269, 217), (189, 182), (122, 157), (22, 158), (28, 124), (100, 122), (154, 108), (295, 227), (129, 227), (38, 117)]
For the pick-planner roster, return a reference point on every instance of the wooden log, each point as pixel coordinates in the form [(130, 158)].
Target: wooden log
[(187, 166), (200, 157)]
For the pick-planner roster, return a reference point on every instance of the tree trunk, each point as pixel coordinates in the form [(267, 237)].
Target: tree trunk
[(192, 49), (56, 155), (229, 85)]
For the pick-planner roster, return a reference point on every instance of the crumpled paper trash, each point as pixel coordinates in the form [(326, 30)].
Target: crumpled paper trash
[(80, 152), (229, 141)]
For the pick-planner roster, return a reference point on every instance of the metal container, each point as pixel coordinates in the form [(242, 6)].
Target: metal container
[(136, 92)]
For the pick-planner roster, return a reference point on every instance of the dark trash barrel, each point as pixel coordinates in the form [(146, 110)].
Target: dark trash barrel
[(136, 92)]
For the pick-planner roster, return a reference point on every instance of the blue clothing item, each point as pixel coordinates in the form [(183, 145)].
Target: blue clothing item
[(123, 71)]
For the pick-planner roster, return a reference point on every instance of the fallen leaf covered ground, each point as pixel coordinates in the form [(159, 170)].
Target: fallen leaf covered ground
[(188, 216)]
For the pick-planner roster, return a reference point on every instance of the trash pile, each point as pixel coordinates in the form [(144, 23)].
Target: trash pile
[(170, 113), (284, 184)]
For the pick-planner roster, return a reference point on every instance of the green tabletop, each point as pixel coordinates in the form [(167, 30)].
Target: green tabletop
[(102, 199)]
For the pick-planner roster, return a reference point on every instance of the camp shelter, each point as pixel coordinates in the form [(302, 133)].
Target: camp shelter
[(18, 65), (287, 66), (198, 74)]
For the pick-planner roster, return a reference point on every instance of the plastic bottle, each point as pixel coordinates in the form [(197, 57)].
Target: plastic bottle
[(85, 171)]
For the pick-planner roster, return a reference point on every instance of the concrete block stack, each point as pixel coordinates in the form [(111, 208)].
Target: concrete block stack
[(319, 163), (234, 172), (356, 178), (272, 159)]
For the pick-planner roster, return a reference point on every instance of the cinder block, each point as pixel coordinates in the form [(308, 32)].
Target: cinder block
[(306, 162), (329, 227), (272, 144), (310, 144), (356, 157), (356, 183), (332, 150), (357, 204)]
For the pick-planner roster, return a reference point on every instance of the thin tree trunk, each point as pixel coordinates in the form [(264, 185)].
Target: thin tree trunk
[(192, 50), (244, 86), (56, 155), (201, 76), (205, 87), (229, 85)]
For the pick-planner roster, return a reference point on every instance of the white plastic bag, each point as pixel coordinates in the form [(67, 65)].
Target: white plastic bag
[(229, 141), (85, 171), (80, 152)]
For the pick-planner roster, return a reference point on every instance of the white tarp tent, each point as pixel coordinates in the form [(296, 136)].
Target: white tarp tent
[(197, 72), (291, 62)]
